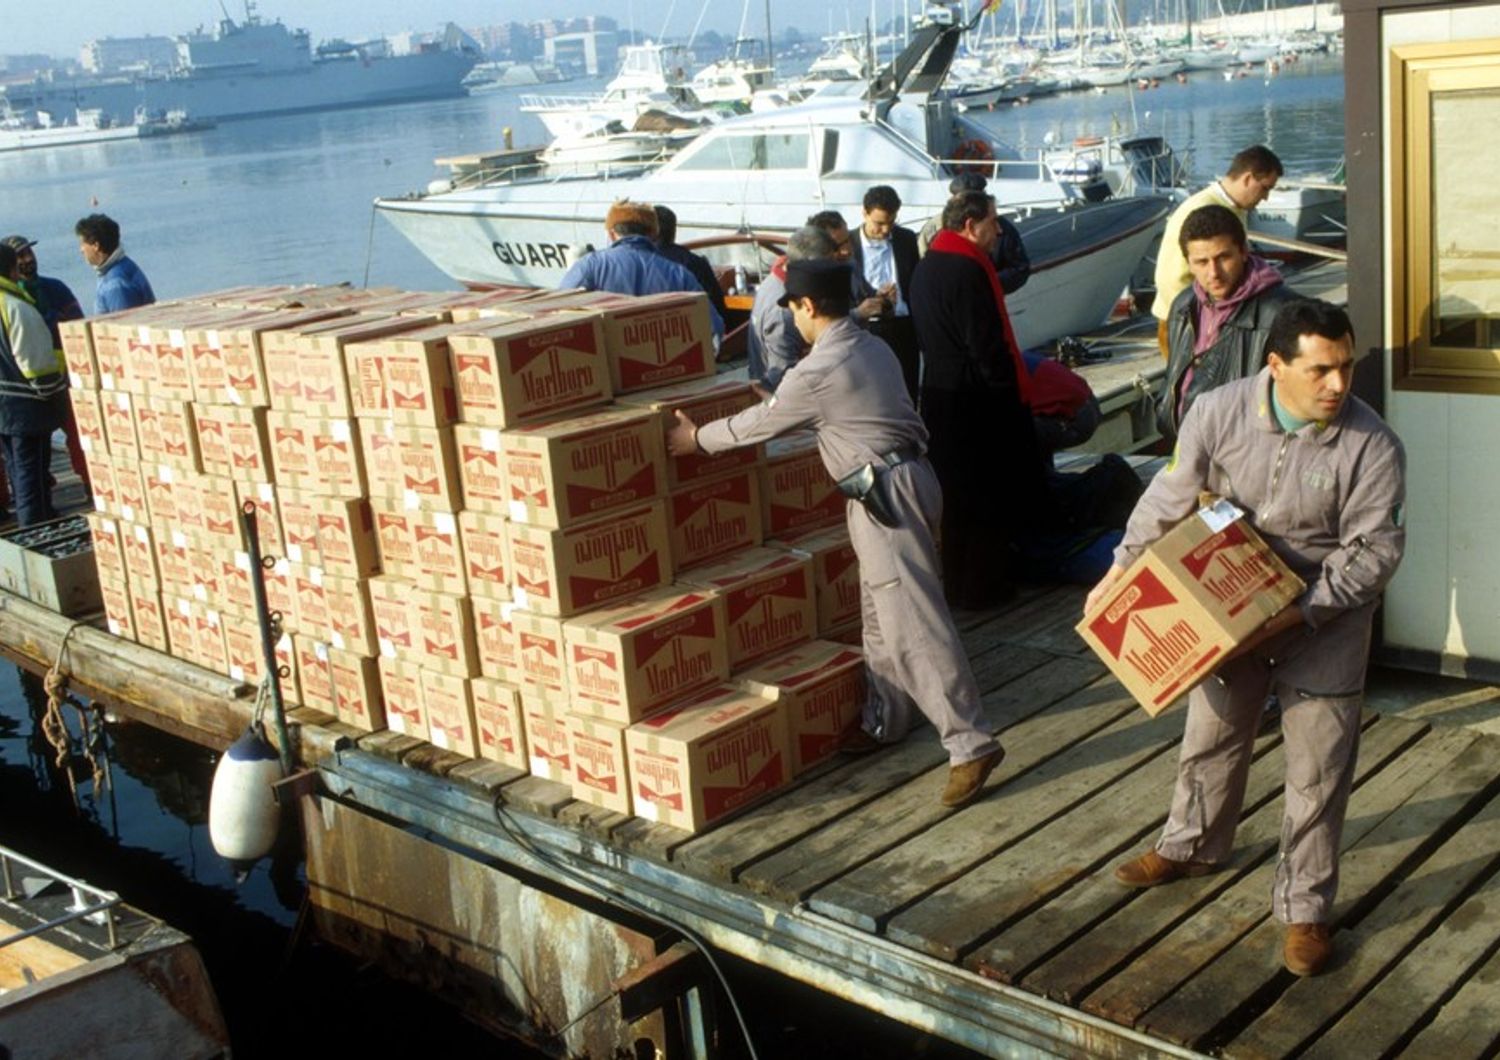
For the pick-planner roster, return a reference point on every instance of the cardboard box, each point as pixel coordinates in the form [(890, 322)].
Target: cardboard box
[(102, 484), (1203, 588), (485, 554), (177, 431), (177, 614), (118, 409), (480, 469), (835, 573), (174, 562), (659, 339), (306, 368), (416, 467), (110, 336), (280, 594), (495, 634), (235, 591), (450, 713), (221, 515), (291, 449), (401, 688), (148, 619), (247, 657), (141, 375), (140, 557), (770, 601), (797, 493), (708, 521), (314, 676), (541, 652), (347, 536), (357, 697), (396, 542), (406, 378), (391, 611), (234, 442), (600, 775), (822, 687), (517, 370), (299, 525), (439, 555), (78, 354), (312, 601), (267, 515), (337, 462), (226, 356), (119, 616), (171, 377), (109, 548), (546, 723), (501, 735), (443, 634), (208, 638), (351, 624), (703, 401), (130, 492), (707, 757), (563, 472), (627, 661), (88, 414), (564, 572), (187, 498)]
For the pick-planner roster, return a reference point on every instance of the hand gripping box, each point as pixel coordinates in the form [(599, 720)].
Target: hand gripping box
[(835, 572), (822, 687), (625, 662), (658, 339), (597, 752), (497, 722), (563, 472), (797, 492), (520, 370), (706, 757), (710, 520), (564, 572), (703, 401), (770, 601), (1203, 588)]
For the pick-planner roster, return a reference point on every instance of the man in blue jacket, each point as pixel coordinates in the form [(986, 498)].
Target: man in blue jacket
[(122, 284), (631, 264)]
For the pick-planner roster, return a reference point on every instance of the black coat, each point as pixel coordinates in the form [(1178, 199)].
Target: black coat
[(903, 246), (962, 337)]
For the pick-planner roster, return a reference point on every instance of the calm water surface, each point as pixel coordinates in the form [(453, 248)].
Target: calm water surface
[(288, 200)]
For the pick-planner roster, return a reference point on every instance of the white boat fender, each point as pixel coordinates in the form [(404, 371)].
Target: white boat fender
[(242, 812)]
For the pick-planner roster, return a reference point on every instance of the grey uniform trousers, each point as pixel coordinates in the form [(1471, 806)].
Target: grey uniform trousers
[(1318, 676), (912, 649)]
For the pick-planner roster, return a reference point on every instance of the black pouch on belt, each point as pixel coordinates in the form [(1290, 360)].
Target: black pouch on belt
[(867, 485)]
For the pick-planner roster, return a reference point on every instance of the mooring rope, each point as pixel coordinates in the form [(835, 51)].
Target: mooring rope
[(55, 727)]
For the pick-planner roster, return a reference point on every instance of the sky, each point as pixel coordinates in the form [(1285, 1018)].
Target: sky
[(67, 25)]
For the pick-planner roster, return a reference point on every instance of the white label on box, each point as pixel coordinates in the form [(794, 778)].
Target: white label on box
[(114, 627), (518, 599), (489, 439), (174, 337), (315, 575), (1220, 515), (107, 380), (445, 522), (267, 493), (199, 593), (411, 500), (165, 474), (338, 641), (141, 535), (282, 568), (179, 539), (518, 511), (539, 764), (387, 648), (85, 443), (213, 340), (183, 609), (213, 619), (75, 380), (340, 430), (128, 513), (242, 560), (236, 671), (321, 652), (98, 504), (438, 738), (233, 396), (294, 553), (143, 335), (122, 402), (647, 811)]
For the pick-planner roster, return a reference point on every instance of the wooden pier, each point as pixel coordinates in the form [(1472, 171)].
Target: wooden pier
[(997, 926)]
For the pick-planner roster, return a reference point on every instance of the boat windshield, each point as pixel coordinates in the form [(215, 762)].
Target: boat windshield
[(761, 150)]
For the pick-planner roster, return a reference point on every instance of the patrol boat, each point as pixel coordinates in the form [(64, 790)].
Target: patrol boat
[(764, 173)]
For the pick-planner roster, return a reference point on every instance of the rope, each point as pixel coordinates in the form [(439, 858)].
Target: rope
[(90, 720)]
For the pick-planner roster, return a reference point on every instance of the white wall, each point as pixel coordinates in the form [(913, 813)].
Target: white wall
[(1446, 596)]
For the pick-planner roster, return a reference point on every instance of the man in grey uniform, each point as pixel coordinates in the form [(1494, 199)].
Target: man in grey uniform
[(1323, 479), (849, 390)]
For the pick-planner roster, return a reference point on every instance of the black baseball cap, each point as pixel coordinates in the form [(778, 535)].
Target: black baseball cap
[(18, 243)]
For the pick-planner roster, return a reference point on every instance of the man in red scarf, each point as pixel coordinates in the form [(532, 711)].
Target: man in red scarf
[(1217, 328), (974, 401)]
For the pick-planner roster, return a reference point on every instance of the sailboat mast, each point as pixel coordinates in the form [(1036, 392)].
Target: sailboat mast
[(770, 44)]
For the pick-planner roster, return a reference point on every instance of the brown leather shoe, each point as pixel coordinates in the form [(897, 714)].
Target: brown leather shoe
[(1307, 948), (1152, 870), (859, 742), (966, 778)]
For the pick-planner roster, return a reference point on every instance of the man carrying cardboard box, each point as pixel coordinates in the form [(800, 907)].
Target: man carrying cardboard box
[(1324, 479), (849, 390)]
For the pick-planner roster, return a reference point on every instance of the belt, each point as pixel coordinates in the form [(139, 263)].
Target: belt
[(899, 456)]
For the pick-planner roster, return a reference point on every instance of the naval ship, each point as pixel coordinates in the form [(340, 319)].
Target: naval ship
[(254, 67)]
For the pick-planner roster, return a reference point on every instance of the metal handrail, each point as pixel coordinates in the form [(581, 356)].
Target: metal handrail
[(105, 907)]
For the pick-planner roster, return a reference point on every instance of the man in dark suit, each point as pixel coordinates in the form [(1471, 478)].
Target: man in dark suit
[(885, 256)]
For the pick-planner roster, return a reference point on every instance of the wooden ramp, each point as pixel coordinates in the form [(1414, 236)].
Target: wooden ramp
[(1017, 887)]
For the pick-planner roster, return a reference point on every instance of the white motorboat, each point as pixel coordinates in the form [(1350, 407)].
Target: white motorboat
[(736, 78), (39, 129), (651, 77), (613, 145), (1309, 208), (768, 172)]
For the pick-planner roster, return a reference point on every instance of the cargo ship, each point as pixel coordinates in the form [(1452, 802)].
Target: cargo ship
[(255, 67)]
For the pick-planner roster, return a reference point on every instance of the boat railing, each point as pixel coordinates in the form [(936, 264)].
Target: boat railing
[(532, 101), (540, 172), (89, 902)]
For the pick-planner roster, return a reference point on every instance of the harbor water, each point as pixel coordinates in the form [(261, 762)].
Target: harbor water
[(288, 200)]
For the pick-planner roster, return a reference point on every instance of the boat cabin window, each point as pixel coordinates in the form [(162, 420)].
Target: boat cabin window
[(757, 151), (830, 151)]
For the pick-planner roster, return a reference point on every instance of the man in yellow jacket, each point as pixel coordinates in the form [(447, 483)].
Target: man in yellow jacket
[(33, 394)]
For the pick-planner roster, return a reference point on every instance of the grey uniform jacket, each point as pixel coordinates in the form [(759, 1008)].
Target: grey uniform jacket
[(848, 389), (772, 342), (1327, 498)]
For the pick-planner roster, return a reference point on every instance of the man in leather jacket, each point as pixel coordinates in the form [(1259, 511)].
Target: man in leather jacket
[(1217, 328)]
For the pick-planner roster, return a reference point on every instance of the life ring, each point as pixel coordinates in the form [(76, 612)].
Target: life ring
[(976, 152), (1088, 141)]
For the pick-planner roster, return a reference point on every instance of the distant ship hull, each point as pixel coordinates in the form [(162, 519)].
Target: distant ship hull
[(224, 96)]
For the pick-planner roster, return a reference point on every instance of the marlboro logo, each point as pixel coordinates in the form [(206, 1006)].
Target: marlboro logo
[(661, 332), (623, 449), (1144, 592), (658, 780), (1229, 569), (611, 544), (548, 380), (719, 800), (770, 630)]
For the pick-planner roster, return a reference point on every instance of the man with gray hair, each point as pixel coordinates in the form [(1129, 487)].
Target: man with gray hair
[(773, 343)]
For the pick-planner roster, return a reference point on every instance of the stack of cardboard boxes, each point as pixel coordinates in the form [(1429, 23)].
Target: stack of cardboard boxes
[(479, 539)]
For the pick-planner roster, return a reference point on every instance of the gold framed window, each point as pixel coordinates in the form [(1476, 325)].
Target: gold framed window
[(1445, 143)]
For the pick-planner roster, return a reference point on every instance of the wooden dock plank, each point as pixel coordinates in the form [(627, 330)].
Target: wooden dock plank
[(1465, 1028), (1022, 800), (877, 826), (592, 820), (388, 744), (1004, 663), (535, 795), (1161, 968), (488, 776), (1074, 942), (1442, 948), (1207, 1005)]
